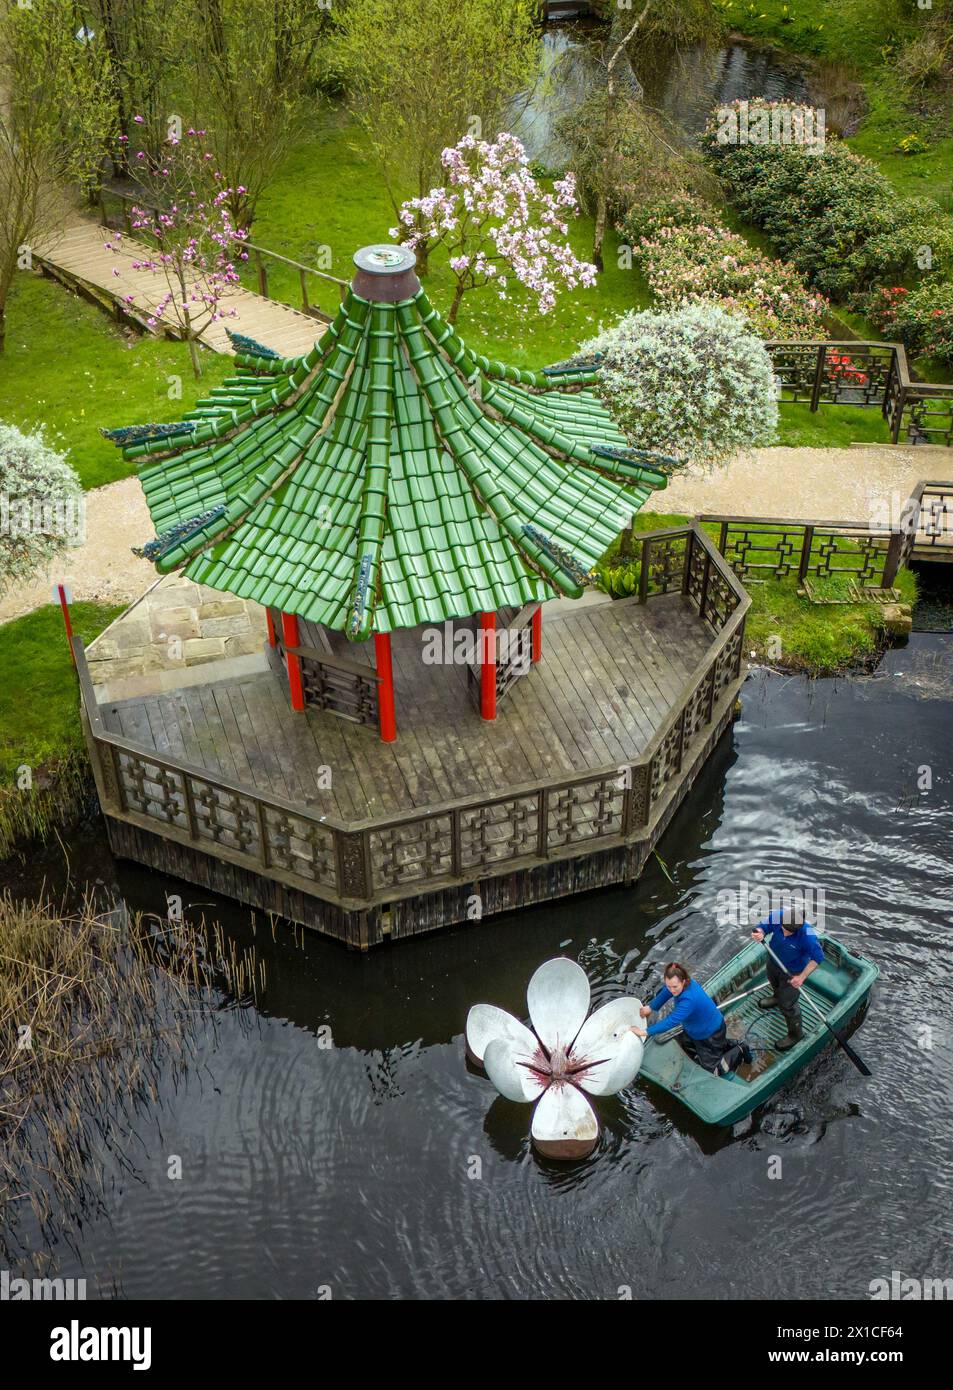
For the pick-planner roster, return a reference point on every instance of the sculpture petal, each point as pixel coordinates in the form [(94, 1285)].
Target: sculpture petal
[(615, 1070), (558, 999), (564, 1124), (486, 1021), (505, 1064), (599, 1040)]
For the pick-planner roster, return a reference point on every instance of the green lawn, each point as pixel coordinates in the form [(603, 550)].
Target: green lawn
[(68, 366), (327, 194), (35, 655)]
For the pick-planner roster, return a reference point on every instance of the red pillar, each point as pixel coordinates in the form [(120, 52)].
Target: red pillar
[(272, 635), (487, 631), (289, 635), (385, 689), (538, 634), (64, 605)]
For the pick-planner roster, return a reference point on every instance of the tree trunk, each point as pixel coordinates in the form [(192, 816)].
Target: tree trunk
[(458, 294), (602, 196), (599, 229), (3, 329), (194, 354)]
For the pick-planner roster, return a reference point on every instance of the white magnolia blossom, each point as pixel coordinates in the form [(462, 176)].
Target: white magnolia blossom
[(565, 1055)]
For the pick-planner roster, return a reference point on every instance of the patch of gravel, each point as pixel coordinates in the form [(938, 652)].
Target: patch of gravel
[(103, 567)]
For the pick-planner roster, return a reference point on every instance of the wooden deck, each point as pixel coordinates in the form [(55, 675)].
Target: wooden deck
[(311, 817), (609, 677), (79, 258)]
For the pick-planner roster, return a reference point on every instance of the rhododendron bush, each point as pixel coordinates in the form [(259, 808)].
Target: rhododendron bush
[(496, 222), (922, 319), (688, 255), (694, 382)]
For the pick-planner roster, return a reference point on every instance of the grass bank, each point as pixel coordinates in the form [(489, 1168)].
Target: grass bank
[(44, 772), (787, 631)]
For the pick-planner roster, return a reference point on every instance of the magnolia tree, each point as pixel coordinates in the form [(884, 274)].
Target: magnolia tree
[(495, 221), (184, 218), (693, 382), (41, 505)]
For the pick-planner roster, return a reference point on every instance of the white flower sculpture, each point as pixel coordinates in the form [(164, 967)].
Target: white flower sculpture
[(566, 1054)]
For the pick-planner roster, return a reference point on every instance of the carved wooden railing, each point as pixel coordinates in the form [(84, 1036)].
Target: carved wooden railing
[(865, 373), (514, 647), (260, 256), (782, 546), (377, 861), (331, 682), (928, 518)]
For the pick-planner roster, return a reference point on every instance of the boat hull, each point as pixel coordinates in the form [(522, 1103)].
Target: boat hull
[(840, 987)]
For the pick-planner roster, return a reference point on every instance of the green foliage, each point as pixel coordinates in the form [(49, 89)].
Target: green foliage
[(692, 382), (419, 73), (40, 498)]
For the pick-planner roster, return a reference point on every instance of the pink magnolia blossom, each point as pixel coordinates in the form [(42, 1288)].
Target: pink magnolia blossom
[(492, 216)]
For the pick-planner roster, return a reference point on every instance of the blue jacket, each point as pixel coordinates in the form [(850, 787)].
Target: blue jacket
[(694, 1009), (794, 952)]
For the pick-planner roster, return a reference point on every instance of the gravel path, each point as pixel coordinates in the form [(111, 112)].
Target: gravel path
[(813, 484)]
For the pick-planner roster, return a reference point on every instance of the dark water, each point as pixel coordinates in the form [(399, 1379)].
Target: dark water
[(682, 86), (349, 1166)]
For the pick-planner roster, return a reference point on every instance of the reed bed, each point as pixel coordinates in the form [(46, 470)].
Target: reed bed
[(61, 795), (97, 1007)]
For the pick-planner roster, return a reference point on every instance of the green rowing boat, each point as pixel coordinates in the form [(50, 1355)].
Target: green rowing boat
[(839, 987)]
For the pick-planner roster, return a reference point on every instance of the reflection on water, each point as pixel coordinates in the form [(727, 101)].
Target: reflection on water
[(682, 86), (353, 1165)]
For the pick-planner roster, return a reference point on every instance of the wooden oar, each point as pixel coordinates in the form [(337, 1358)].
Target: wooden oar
[(839, 1038)]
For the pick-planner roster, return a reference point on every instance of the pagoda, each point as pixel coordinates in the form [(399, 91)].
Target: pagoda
[(390, 479)]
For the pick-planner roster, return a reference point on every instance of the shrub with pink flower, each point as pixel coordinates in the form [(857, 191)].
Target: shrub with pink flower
[(688, 256), (495, 221), (184, 220)]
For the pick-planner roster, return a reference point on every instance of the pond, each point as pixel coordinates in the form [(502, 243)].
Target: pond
[(684, 86), (380, 1167)]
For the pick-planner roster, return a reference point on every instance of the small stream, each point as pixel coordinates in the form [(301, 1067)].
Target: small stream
[(350, 1166)]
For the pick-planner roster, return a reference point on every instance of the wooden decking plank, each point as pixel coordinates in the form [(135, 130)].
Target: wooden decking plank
[(629, 702)]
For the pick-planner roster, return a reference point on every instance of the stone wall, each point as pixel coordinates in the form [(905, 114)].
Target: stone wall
[(177, 625)]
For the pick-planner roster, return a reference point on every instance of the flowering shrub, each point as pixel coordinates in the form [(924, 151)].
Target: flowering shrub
[(494, 219), (693, 382), (697, 258), (41, 505), (921, 319), (185, 217)]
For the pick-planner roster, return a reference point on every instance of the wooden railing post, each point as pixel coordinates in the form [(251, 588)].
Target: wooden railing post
[(892, 560), (805, 560), (644, 570), (306, 307), (262, 275), (818, 376)]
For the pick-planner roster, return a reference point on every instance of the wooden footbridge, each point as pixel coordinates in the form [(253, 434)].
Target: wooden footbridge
[(77, 256)]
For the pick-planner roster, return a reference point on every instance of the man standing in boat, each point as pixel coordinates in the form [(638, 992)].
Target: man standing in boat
[(797, 948), (704, 1035)]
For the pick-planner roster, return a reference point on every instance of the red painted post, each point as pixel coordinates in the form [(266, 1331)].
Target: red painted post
[(289, 635), (64, 605), (272, 635), (386, 710), (538, 634), (487, 632)]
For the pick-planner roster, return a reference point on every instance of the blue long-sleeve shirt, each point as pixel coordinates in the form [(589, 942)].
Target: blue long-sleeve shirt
[(694, 1009), (794, 952)]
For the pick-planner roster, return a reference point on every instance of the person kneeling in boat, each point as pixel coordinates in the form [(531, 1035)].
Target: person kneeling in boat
[(704, 1035), (799, 951)]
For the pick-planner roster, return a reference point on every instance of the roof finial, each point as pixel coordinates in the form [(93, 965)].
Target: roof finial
[(385, 273)]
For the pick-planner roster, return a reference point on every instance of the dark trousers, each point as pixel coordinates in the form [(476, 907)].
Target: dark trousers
[(787, 995), (707, 1052)]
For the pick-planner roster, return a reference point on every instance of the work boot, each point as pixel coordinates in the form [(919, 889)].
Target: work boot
[(794, 1035), (771, 1001)]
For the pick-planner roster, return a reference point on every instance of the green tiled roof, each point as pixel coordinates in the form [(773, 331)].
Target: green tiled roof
[(390, 477)]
